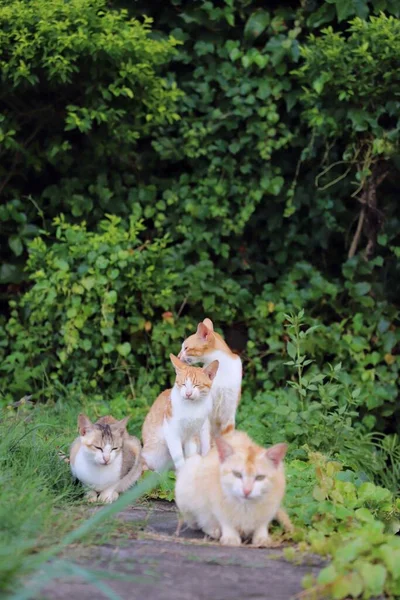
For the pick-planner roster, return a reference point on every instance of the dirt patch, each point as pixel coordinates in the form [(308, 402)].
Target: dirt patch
[(153, 564)]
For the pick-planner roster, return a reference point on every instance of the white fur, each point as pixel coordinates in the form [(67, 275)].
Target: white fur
[(211, 498), (175, 439), (226, 388), (94, 474)]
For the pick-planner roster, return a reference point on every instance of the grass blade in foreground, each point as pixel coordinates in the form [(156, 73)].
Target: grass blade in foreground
[(41, 579)]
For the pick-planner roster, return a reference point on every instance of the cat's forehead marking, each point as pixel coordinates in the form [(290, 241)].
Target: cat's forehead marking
[(251, 458), (105, 431)]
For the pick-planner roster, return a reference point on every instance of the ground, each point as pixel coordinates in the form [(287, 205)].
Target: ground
[(161, 566)]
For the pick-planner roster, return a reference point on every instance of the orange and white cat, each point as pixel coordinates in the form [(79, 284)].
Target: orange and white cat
[(179, 417), (235, 491), (105, 458), (205, 346)]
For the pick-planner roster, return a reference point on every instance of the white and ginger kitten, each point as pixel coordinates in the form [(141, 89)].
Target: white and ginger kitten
[(205, 346), (105, 458), (235, 491), (179, 417)]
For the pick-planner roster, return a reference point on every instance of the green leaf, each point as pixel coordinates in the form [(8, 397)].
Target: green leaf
[(391, 558), (111, 297), (234, 54), (256, 24), (10, 273), (362, 288), (16, 245), (347, 585), (291, 350), (319, 494), (61, 264), (344, 9), (124, 349), (88, 283), (327, 575), (365, 515), (374, 577), (348, 552)]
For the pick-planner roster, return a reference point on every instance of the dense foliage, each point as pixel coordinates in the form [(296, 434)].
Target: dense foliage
[(79, 88), (244, 208)]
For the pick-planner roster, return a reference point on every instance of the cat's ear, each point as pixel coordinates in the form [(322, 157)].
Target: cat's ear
[(209, 324), (212, 369), (203, 332), (224, 449), (121, 424), (276, 453), (178, 364), (84, 424)]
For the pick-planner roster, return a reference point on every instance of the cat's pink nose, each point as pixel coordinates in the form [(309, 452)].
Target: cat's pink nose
[(247, 491), (189, 394), (106, 460)]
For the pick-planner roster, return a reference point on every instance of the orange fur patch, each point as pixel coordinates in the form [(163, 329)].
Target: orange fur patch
[(168, 409), (227, 429), (251, 458), (197, 346)]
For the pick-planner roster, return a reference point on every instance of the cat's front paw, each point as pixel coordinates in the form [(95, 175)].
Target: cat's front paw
[(230, 539), (91, 496), (215, 533), (108, 496), (261, 540)]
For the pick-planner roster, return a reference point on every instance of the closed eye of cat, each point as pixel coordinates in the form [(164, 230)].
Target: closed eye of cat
[(237, 474), (260, 477), (98, 448), (114, 448)]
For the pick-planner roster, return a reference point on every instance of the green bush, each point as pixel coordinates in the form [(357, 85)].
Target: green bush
[(79, 90), (85, 321), (350, 105)]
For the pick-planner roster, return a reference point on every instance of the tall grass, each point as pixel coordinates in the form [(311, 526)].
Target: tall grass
[(39, 502)]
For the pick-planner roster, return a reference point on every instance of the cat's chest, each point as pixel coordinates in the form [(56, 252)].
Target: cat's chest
[(190, 417), (97, 477)]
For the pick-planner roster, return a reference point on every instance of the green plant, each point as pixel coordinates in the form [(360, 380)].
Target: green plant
[(80, 89), (350, 521), (348, 103), (216, 182), (41, 509), (322, 408), (91, 302)]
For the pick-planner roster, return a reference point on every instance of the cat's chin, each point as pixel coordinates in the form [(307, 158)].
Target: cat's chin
[(245, 499)]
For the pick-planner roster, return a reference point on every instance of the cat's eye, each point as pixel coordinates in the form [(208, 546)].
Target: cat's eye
[(98, 448), (260, 477), (114, 448), (237, 474)]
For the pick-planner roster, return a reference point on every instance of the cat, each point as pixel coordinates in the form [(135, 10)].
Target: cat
[(205, 346), (235, 491), (105, 458), (179, 417)]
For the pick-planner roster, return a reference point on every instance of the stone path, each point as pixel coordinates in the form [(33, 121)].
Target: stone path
[(160, 566)]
